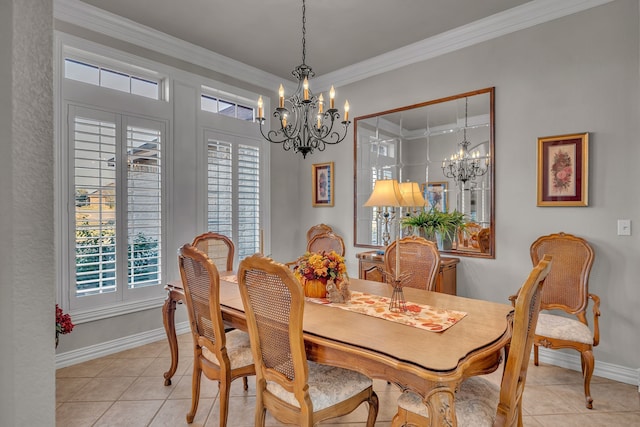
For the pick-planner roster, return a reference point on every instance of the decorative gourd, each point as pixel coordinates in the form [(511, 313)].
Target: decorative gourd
[(314, 288)]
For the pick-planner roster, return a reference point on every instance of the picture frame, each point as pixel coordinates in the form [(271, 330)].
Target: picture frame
[(563, 170), (323, 179), (436, 195)]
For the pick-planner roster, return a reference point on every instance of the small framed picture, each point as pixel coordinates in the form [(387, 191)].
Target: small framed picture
[(436, 196), (322, 175), (563, 170)]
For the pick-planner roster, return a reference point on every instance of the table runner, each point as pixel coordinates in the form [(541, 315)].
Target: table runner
[(232, 278), (418, 315)]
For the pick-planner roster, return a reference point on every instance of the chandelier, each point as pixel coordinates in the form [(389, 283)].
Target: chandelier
[(304, 124), (464, 166)]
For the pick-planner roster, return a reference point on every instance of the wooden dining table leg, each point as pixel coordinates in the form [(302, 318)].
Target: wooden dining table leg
[(168, 318), (441, 407)]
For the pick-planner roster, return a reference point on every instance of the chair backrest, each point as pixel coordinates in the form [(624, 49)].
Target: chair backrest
[(419, 259), (326, 242), (201, 284), (318, 229), (524, 326), (274, 306), (567, 286), (484, 240), (219, 248)]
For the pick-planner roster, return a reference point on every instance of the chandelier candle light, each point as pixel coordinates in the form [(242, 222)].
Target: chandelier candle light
[(464, 166), (305, 125)]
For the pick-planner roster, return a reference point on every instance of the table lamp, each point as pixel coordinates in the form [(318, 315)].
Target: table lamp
[(386, 192)]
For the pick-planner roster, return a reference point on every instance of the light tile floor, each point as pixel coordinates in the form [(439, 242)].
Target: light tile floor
[(127, 389)]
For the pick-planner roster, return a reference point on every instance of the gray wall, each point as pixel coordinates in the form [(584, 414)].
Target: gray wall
[(27, 290), (579, 73), (576, 74)]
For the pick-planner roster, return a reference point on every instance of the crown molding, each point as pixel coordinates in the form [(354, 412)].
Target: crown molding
[(109, 24), (518, 18), (527, 15)]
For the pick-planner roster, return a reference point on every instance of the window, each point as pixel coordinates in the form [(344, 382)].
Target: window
[(112, 79), (118, 147), (234, 191), (116, 190), (241, 109)]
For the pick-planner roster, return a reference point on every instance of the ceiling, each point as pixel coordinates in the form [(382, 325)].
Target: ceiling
[(267, 34)]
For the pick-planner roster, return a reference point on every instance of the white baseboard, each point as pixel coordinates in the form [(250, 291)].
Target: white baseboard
[(619, 373), (110, 347)]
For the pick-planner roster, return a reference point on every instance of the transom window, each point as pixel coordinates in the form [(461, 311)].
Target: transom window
[(111, 78), (227, 105)]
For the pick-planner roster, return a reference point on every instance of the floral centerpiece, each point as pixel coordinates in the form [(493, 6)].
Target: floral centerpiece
[(63, 323), (317, 270)]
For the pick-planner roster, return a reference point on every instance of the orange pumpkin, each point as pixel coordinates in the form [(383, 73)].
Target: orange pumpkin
[(314, 288)]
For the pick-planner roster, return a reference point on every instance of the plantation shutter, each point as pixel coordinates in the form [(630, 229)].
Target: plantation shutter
[(233, 192)]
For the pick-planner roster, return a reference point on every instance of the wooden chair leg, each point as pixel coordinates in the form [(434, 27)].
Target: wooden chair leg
[(224, 401), (588, 364), (535, 354), (373, 410), (245, 383), (195, 392)]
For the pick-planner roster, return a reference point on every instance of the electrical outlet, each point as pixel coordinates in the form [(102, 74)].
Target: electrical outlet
[(624, 227)]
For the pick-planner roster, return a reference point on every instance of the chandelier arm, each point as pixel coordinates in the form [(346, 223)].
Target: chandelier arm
[(303, 125)]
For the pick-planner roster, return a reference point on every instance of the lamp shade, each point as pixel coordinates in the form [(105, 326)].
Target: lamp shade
[(385, 193), (411, 194)]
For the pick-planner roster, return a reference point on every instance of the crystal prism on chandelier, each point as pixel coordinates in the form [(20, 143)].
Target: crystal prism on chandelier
[(464, 166), (304, 123)]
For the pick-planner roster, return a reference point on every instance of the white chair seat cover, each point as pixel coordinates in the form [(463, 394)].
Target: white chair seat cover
[(238, 350), (328, 386), (476, 403), (559, 327)]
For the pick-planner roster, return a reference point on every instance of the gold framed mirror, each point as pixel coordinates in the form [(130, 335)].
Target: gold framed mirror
[(446, 146)]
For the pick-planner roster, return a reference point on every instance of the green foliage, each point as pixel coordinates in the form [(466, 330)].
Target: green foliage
[(433, 221), (143, 259), (96, 256)]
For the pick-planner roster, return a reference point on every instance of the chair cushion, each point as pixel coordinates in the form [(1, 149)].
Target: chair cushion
[(238, 350), (328, 385), (476, 403), (559, 327)]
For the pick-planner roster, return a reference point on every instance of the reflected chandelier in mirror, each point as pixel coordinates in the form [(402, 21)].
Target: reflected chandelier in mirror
[(446, 148)]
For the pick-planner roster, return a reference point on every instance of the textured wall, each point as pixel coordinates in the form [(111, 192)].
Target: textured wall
[(27, 389)]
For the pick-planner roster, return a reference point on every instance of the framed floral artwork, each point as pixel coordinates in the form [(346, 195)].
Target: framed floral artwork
[(563, 170), (322, 175), (436, 196)]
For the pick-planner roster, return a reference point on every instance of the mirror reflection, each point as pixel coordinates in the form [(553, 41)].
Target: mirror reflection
[(441, 155)]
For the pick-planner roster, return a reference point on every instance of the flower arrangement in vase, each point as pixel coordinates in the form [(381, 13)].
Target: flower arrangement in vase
[(63, 323), (317, 270)]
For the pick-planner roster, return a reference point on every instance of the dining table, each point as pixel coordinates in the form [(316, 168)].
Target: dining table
[(428, 361)]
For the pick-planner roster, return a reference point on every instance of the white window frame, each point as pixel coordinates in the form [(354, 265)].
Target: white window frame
[(69, 93), (233, 131), (122, 292)]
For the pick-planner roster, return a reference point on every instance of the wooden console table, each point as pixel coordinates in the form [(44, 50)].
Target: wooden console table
[(368, 263)]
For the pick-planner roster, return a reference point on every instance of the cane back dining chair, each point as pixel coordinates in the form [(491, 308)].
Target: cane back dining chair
[(292, 389), (218, 247), (318, 229), (567, 289), (218, 355), (326, 242), (480, 402), (419, 262)]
